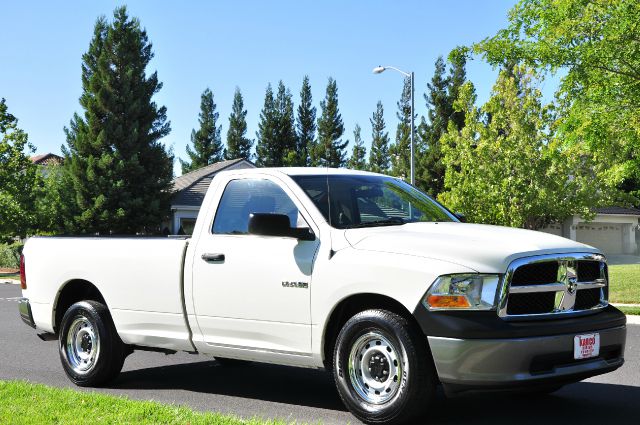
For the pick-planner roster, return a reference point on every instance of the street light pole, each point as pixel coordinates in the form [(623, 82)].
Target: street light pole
[(381, 69), (413, 130)]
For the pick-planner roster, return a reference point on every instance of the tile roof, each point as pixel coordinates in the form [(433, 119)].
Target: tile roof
[(190, 188), (618, 211), (46, 159)]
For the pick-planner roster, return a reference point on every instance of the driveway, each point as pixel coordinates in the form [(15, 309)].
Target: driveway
[(308, 396), (623, 259)]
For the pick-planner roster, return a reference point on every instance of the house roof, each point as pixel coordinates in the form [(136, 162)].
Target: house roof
[(46, 158), (618, 211), (190, 188)]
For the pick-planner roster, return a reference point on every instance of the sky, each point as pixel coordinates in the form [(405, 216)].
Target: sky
[(248, 44)]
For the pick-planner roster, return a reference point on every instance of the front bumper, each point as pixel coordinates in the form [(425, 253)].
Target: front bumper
[(486, 364), (25, 312), (483, 352)]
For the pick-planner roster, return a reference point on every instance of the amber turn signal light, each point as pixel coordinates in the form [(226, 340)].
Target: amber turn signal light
[(448, 301)]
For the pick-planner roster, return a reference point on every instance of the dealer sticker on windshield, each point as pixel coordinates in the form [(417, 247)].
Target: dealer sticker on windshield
[(586, 346)]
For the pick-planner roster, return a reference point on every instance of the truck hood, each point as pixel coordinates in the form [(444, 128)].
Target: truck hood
[(484, 248)]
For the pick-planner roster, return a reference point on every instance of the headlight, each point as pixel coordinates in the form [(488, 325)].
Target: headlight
[(463, 291)]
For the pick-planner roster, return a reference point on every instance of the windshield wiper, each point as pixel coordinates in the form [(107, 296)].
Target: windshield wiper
[(391, 221)]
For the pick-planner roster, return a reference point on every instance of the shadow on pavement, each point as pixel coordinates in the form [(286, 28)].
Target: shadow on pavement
[(291, 385), (581, 403)]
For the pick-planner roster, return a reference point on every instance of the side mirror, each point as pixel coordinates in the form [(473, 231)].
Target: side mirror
[(277, 225), (460, 216)]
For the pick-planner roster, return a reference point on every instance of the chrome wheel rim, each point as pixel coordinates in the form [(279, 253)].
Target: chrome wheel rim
[(375, 368), (82, 346)]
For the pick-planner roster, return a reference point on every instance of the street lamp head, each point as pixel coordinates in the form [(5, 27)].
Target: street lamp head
[(379, 69)]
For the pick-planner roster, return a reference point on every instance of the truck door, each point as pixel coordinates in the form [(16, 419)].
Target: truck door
[(253, 292)]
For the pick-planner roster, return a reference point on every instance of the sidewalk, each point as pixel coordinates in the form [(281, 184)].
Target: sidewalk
[(9, 281)]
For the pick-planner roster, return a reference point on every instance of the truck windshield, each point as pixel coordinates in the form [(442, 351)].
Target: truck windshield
[(352, 201)]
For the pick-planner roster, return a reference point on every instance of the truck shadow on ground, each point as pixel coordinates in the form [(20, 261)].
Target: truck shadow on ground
[(583, 403), (297, 386)]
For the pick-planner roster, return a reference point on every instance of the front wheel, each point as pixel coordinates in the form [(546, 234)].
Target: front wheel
[(91, 351), (383, 369)]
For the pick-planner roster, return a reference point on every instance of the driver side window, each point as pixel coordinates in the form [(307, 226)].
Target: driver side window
[(244, 197)]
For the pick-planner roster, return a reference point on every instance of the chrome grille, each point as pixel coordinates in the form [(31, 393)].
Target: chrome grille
[(547, 286)]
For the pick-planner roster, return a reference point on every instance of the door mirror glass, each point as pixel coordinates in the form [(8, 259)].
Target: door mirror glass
[(277, 225)]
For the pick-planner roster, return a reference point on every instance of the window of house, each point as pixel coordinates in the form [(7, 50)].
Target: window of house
[(186, 226)]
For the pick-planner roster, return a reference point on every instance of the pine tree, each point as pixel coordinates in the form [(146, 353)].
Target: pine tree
[(286, 132), (457, 77), (379, 157), (330, 149), (276, 132), (306, 125), (238, 145), (401, 150), (358, 160), (207, 142), (121, 173), (267, 153), (443, 92)]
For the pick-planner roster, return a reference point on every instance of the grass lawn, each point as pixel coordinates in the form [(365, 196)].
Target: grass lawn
[(26, 403), (629, 310), (15, 276), (624, 284)]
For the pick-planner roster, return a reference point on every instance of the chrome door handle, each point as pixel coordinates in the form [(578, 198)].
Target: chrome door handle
[(213, 258)]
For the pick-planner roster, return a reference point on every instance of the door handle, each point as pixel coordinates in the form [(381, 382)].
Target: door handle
[(213, 258)]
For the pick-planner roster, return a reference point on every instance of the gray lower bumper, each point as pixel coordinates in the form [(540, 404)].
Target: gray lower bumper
[(25, 312), (468, 364)]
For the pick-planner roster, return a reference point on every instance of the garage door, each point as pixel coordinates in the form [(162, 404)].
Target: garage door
[(607, 237)]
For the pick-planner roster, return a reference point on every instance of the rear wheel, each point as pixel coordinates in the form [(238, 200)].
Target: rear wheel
[(383, 369), (91, 351)]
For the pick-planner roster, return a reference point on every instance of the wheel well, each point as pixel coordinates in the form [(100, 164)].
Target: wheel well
[(71, 293), (350, 306)]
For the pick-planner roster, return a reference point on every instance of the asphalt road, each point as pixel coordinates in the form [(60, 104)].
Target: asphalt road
[(303, 395)]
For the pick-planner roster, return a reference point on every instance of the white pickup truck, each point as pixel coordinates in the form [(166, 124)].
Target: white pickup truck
[(354, 272)]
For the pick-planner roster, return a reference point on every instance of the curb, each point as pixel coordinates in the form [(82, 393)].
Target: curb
[(633, 320), (9, 282)]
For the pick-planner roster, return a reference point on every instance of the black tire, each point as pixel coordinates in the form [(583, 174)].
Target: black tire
[(91, 351), (232, 362), (394, 341)]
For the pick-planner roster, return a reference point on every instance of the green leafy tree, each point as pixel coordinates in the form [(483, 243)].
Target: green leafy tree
[(358, 159), (18, 178), (512, 171), (267, 148), (119, 171), (330, 149), (595, 45), (400, 151), (206, 141), (306, 125), (238, 145), (56, 205), (379, 161)]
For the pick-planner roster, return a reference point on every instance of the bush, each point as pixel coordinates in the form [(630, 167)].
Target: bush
[(10, 254)]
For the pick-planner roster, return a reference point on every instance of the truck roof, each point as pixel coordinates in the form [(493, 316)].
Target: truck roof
[(302, 171)]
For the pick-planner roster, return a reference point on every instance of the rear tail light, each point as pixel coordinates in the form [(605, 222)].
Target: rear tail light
[(23, 276)]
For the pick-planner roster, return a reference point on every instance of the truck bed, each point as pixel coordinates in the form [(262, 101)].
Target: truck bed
[(140, 279)]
